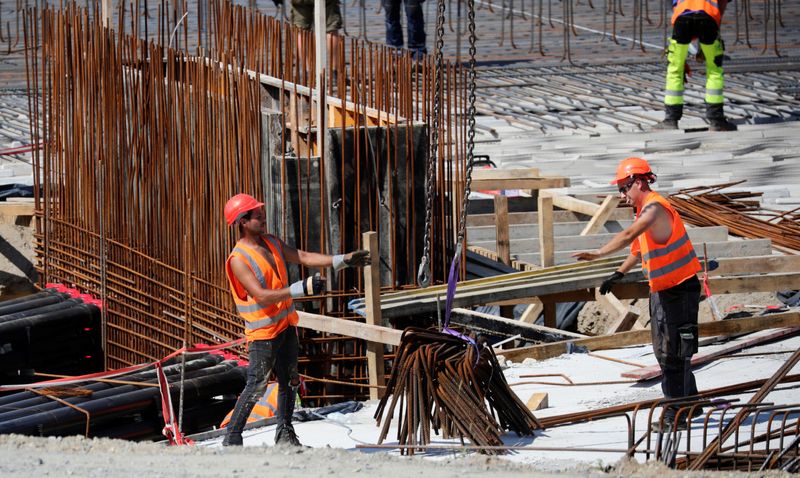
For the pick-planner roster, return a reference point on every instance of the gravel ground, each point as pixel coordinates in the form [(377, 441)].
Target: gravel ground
[(77, 456)]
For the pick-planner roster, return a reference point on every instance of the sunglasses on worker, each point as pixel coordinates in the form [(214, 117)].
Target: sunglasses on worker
[(627, 186)]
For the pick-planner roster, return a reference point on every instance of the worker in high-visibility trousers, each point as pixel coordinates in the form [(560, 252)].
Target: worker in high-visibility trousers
[(696, 19), (256, 270), (658, 238)]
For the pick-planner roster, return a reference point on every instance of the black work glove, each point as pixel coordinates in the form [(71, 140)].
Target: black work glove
[(313, 285), (277, 3), (358, 258), (607, 284)]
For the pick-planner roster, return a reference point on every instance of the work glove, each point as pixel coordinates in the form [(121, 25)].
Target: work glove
[(277, 3), (607, 284), (358, 258), (313, 285)]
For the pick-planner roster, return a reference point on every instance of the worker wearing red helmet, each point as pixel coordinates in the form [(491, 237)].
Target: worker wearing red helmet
[(658, 237), (256, 270), (699, 19)]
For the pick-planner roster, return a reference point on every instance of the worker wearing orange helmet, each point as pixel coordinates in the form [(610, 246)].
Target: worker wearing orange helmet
[(256, 270), (658, 237)]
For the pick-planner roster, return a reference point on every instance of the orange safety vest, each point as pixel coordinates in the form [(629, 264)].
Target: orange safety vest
[(711, 7), (666, 265), (265, 407), (262, 322)]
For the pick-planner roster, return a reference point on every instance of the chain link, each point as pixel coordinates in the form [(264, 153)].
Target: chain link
[(462, 226), (424, 273)]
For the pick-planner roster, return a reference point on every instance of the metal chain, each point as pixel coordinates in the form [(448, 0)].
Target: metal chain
[(462, 225), (424, 272)]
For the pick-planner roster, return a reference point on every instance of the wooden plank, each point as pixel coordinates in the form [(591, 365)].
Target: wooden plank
[(14, 209), (376, 368), (502, 243), (572, 204), (516, 218), (503, 174), (520, 183), (654, 371), (715, 236), (532, 312), (624, 316), (638, 337), (599, 219), (510, 327), (538, 401), (546, 246), (349, 328), (754, 265), (526, 231)]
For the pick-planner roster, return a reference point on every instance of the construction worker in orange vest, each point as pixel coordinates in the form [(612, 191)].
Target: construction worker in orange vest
[(696, 19), (256, 270), (658, 238)]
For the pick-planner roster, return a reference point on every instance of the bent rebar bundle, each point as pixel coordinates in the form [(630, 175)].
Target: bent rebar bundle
[(447, 384)]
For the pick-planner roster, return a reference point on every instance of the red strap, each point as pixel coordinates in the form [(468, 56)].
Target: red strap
[(171, 429)]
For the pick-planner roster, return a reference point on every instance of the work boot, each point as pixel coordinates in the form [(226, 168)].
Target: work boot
[(232, 439), (672, 114), (716, 118), (285, 435)]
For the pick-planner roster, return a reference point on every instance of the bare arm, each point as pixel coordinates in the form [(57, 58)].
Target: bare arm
[(629, 262), (722, 5), (308, 259), (645, 220), (248, 280)]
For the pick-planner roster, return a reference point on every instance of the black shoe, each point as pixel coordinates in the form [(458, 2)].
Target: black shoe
[(285, 435), (667, 124), (668, 424), (232, 439), (721, 124)]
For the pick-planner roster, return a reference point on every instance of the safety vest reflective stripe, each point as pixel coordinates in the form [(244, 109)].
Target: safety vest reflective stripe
[(253, 265), (709, 6), (663, 251), (673, 92), (673, 266), (257, 324), (713, 91)]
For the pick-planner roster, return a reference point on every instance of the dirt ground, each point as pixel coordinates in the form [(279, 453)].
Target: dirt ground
[(77, 456)]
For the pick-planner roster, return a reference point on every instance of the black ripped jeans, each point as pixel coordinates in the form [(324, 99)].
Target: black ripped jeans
[(673, 311), (278, 354)]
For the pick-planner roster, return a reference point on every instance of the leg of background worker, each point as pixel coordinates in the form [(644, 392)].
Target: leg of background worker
[(673, 92), (415, 22), (714, 86), (288, 383), (261, 359), (394, 30)]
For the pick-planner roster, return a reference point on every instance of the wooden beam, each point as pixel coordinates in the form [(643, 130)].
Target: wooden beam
[(503, 245), (572, 204), (599, 218), (509, 327), (755, 265), (504, 174), (376, 366), (638, 337), (517, 218), (546, 246), (349, 328), (624, 317), (654, 371), (533, 311), (520, 183)]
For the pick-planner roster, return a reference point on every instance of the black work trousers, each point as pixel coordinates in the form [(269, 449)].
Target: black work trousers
[(673, 317), (278, 354)]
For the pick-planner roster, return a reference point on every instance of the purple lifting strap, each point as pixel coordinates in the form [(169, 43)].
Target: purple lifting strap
[(452, 280)]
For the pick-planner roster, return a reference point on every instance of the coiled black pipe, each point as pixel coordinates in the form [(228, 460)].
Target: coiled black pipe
[(48, 299)]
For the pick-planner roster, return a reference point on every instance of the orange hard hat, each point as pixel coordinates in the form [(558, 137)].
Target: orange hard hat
[(631, 167), (239, 205)]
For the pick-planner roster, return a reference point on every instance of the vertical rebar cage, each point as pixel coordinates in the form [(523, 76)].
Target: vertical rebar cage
[(144, 144)]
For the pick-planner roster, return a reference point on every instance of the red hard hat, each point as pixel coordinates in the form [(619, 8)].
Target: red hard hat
[(238, 205), (630, 167)]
